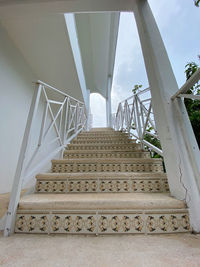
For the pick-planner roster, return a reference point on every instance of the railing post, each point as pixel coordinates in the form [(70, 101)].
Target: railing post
[(76, 117), (18, 179), (138, 118), (65, 120), (88, 111)]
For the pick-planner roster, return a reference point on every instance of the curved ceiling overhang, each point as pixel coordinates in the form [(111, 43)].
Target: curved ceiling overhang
[(97, 37), (44, 42)]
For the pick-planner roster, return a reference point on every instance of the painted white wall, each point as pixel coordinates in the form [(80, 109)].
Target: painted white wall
[(16, 91)]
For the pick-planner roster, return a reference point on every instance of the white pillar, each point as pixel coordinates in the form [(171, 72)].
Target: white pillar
[(181, 152), (108, 104), (88, 110)]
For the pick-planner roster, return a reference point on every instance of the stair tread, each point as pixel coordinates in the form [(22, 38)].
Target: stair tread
[(103, 151), (103, 144), (103, 201), (104, 175)]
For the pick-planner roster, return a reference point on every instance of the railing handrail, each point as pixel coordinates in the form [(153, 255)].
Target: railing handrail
[(58, 91), (188, 84), (138, 93), (139, 112)]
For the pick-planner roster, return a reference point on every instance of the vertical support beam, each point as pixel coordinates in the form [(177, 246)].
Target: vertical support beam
[(170, 119), (108, 104), (18, 179)]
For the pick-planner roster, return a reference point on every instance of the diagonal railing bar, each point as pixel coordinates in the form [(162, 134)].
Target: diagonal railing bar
[(69, 120), (53, 123), (52, 117), (146, 122), (43, 124), (72, 119)]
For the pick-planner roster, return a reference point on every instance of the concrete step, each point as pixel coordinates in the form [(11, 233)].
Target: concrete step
[(102, 129), (101, 182), (101, 213), (110, 147), (107, 165), (105, 141), (102, 134), (104, 137), (106, 185), (70, 154)]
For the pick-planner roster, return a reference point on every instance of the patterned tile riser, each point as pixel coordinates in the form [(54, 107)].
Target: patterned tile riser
[(107, 167), (84, 138), (129, 147), (88, 186), (68, 155), (102, 223), (88, 142)]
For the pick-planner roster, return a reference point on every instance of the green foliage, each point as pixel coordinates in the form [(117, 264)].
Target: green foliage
[(154, 141), (136, 88), (197, 3), (193, 106)]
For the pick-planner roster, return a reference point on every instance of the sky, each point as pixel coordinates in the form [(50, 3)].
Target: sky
[(179, 24)]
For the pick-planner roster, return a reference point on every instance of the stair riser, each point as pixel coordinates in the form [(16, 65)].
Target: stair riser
[(103, 138), (103, 134), (100, 142), (69, 155), (129, 147), (101, 222), (102, 186), (107, 167)]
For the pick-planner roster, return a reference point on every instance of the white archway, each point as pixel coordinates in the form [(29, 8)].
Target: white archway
[(98, 110)]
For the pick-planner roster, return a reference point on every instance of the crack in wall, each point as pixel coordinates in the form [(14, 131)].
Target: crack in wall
[(181, 181)]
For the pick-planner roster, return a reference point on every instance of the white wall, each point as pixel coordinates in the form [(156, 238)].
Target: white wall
[(16, 90)]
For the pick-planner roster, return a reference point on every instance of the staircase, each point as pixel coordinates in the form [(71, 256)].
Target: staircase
[(105, 184)]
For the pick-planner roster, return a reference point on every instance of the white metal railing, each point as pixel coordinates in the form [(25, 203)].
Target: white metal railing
[(182, 92), (54, 119), (135, 116)]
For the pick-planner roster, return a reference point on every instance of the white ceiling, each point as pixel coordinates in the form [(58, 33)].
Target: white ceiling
[(44, 42), (97, 36), (19, 8)]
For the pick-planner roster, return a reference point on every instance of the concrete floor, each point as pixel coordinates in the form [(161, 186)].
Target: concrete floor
[(101, 251)]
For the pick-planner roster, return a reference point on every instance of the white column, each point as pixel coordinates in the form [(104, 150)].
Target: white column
[(88, 110), (108, 104), (181, 152)]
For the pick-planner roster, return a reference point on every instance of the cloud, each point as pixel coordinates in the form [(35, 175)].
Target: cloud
[(178, 21), (129, 65)]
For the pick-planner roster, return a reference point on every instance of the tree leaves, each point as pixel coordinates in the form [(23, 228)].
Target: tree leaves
[(193, 106), (197, 3)]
